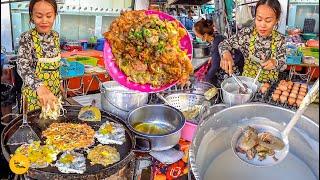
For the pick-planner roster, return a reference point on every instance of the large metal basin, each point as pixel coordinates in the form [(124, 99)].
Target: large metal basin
[(211, 154)]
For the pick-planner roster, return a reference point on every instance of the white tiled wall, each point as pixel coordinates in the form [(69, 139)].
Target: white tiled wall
[(77, 19), (75, 27), (106, 21)]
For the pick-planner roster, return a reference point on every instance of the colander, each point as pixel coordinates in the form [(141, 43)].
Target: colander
[(184, 102)]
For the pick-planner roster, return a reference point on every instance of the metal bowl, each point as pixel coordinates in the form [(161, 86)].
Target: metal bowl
[(201, 50), (163, 116), (200, 87), (120, 100), (229, 88)]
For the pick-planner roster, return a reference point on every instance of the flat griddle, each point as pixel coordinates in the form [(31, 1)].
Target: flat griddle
[(92, 171)]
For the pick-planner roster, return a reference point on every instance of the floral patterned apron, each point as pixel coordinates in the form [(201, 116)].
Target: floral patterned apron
[(47, 69), (251, 67)]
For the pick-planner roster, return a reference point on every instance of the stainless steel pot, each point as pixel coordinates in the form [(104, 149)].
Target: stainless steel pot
[(212, 145), (201, 50), (229, 89), (120, 100), (163, 116)]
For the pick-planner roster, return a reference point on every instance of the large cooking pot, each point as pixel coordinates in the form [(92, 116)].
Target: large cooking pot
[(211, 156), (201, 50), (120, 100), (126, 150), (163, 116), (230, 88)]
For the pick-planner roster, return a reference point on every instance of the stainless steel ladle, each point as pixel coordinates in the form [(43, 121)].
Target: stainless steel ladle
[(283, 135)]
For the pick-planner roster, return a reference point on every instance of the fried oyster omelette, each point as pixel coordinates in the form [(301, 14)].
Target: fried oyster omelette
[(147, 50), (69, 136), (71, 162), (111, 133), (40, 156), (104, 155)]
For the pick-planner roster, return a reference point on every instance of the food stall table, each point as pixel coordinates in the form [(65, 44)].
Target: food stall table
[(85, 84), (81, 85), (311, 68)]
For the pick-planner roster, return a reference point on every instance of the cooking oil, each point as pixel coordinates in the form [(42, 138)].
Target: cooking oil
[(149, 128)]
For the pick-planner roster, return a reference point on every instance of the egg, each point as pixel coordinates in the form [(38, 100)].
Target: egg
[(275, 97), (304, 86), (291, 101), (293, 95), (277, 88), (285, 93), (296, 84), (290, 83), (263, 89), (302, 93), (111, 133), (300, 97), (303, 89), (267, 85), (298, 102), (290, 87), (294, 91), (282, 81), (277, 91), (71, 162), (283, 87), (283, 99)]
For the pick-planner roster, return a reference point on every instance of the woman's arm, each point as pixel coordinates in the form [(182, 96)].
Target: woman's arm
[(238, 41), (24, 64)]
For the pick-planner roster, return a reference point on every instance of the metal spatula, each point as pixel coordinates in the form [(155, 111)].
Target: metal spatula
[(25, 133)]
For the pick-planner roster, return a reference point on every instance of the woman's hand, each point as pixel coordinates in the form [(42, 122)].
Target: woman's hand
[(269, 64), (46, 97), (227, 63)]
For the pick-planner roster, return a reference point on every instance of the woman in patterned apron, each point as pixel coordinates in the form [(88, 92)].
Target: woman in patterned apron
[(39, 56), (262, 46)]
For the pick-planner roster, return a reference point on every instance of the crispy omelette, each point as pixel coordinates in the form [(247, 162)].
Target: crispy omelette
[(104, 155), (69, 136), (147, 50), (40, 156)]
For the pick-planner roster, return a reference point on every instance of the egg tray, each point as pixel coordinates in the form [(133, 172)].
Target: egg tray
[(269, 99), (264, 97)]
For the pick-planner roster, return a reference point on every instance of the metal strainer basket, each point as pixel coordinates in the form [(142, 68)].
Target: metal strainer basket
[(184, 101)]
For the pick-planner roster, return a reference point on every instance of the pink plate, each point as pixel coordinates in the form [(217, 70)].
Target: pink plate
[(121, 78)]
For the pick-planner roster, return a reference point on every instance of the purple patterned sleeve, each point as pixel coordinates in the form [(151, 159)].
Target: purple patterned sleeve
[(26, 65), (281, 52)]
